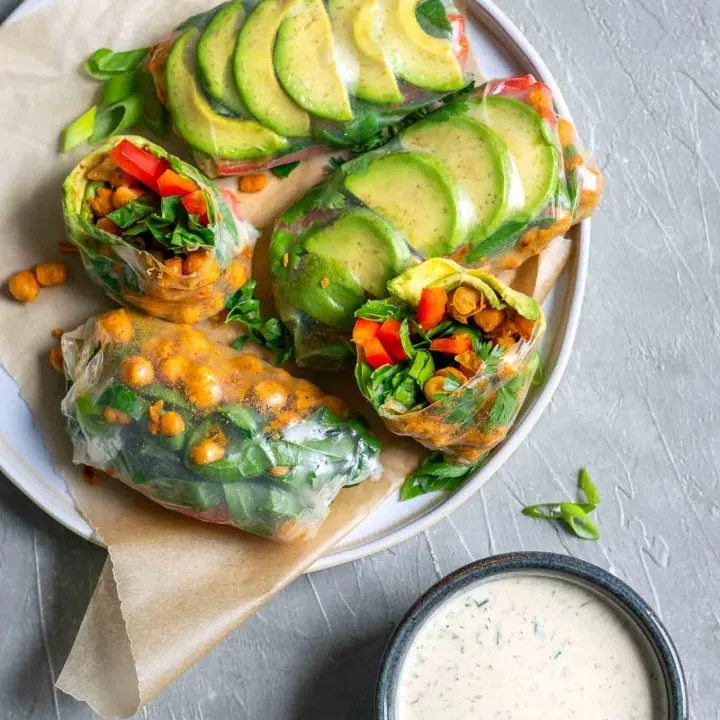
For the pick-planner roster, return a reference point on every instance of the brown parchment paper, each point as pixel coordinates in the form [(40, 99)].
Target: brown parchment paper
[(173, 587)]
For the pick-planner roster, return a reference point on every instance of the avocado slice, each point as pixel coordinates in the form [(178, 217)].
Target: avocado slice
[(523, 304), (326, 290), (483, 166), (523, 132), (198, 124), (417, 57), (306, 65), (255, 75), (366, 70), (416, 193), (366, 245), (215, 52)]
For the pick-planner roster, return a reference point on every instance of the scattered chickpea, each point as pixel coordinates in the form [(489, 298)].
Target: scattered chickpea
[(252, 183), (171, 423), (56, 358), (57, 333), (117, 325), (51, 273), (123, 195), (206, 452), (136, 371), (108, 226), (24, 287), (116, 417)]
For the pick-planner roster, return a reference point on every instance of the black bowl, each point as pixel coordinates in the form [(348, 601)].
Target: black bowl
[(571, 568)]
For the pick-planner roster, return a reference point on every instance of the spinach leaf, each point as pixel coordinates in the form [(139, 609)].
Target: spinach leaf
[(381, 310), (283, 171), (435, 474), (129, 214)]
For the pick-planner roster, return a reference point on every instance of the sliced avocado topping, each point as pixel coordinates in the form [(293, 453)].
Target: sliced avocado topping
[(416, 193), (523, 304), (483, 167), (255, 75), (326, 290), (306, 65), (215, 52), (363, 64), (417, 57), (522, 131), (366, 245), (195, 120)]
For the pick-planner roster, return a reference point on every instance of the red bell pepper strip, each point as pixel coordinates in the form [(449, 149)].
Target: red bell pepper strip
[(460, 45), (375, 354), (196, 204), (389, 336), (453, 345), (139, 163), (364, 330), (513, 84), (170, 183), (431, 308)]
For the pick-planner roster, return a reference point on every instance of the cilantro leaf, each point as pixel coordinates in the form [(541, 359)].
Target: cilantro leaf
[(283, 171), (244, 307)]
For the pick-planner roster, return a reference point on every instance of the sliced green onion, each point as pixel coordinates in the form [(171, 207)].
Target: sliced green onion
[(116, 118), (543, 511), (104, 63), (579, 522), (405, 340), (539, 376), (587, 486), (79, 130), (117, 88)]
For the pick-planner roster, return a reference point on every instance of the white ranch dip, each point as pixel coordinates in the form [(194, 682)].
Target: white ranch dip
[(527, 646)]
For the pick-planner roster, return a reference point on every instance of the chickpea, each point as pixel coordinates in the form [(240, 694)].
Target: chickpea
[(124, 194), (237, 274), (102, 203), (51, 273), (172, 423), (195, 261), (335, 405), (278, 471), (174, 265), (206, 452), (57, 333), (56, 358), (464, 302), (136, 371), (469, 363), (250, 364), (108, 226), (524, 326), (117, 325), (292, 531), (453, 373), (24, 287), (174, 368), (489, 319), (66, 247), (434, 387), (116, 417), (272, 395), (202, 388), (252, 183), (154, 415)]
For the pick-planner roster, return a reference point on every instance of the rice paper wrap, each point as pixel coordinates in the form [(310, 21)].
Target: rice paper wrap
[(135, 277), (468, 422), (521, 180), (367, 91), (215, 434)]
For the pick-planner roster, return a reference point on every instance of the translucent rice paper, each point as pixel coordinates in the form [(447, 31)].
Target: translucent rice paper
[(276, 81), (134, 277), (489, 180), (248, 445), (469, 422)]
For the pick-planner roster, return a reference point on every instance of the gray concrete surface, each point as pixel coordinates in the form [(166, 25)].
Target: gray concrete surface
[(639, 407)]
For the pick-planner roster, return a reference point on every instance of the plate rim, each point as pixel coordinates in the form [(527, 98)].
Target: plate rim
[(503, 30)]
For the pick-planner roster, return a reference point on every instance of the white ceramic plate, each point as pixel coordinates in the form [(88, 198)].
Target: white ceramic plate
[(501, 50)]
